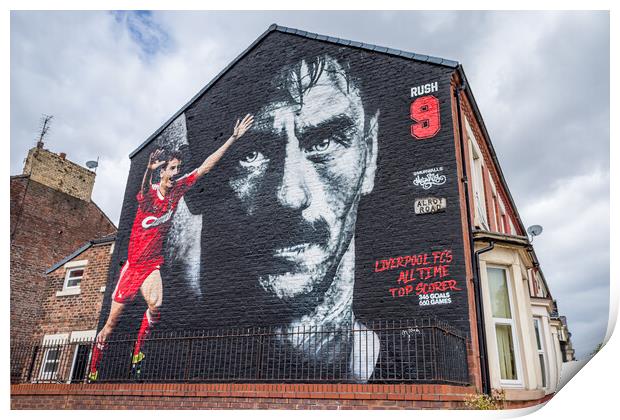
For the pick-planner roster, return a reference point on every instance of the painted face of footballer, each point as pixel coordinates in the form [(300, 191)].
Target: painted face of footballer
[(300, 180)]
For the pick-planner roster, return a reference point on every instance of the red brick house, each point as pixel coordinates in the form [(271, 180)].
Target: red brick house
[(52, 214), (70, 310)]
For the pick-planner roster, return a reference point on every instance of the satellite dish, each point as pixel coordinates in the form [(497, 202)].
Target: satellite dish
[(92, 164), (534, 230)]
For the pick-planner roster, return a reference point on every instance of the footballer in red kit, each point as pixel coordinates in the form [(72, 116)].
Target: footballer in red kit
[(147, 235), (141, 272)]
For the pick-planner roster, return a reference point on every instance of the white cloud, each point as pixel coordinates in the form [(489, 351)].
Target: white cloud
[(105, 95), (574, 251), (110, 88)]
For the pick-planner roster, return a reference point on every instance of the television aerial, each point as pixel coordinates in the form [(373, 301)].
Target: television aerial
[(534, 230)]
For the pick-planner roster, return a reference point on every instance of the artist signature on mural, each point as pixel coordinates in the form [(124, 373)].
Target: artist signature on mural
[(429, 180), (409, 332)]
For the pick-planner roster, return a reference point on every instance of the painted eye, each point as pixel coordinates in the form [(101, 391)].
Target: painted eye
[(250, 157), (321, 146), (253, 158)]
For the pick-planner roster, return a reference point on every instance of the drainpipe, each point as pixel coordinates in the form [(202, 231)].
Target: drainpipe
[(482, 338), (482, 347)]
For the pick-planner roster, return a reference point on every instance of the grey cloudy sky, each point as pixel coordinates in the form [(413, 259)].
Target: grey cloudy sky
[(541, 80)]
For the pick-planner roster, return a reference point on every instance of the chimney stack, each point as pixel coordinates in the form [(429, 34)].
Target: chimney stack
[(57, 172)]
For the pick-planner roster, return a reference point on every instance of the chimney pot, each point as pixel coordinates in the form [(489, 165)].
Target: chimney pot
[(62, 155)]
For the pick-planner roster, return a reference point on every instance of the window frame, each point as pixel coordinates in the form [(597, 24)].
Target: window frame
[(68, 271), (51, 376), (81, 338), (540, 338), (512, 322), (74, 358), (476, 163)]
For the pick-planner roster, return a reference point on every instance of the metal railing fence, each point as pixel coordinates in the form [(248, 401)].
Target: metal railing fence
[(406, 351)]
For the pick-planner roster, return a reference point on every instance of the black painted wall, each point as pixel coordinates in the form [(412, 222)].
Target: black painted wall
[(235, 248)]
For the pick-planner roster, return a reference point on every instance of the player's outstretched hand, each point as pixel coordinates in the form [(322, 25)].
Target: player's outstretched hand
[(242, 126), (154, 159)]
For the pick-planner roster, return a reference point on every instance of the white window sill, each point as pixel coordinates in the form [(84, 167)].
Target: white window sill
[(69, 292), (511, 385)]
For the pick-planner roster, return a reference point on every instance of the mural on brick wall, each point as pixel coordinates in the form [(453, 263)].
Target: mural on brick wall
[(307, 198)]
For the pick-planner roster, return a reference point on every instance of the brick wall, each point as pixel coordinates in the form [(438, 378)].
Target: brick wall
[(46, 226), (244, 396), (55, 171), (78, 312)]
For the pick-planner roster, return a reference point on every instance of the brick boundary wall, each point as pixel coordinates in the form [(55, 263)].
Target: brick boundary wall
[(243, 396)]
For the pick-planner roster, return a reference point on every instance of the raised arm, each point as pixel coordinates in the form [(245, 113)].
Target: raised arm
[(240, 128), (153, 164)]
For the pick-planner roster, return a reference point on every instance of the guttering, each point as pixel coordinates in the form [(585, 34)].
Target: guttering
[(482, 348)]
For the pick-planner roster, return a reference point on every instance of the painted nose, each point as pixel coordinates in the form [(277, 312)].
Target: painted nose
[(293, 191)]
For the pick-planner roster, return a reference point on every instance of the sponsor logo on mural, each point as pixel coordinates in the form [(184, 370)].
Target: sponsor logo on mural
[(152, 221), (427, 178), (429, 205)]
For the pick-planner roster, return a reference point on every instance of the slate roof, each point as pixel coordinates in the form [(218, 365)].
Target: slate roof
[(96, 241), (370, 47)]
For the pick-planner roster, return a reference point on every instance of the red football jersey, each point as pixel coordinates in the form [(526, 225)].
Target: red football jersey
[(153, 220)]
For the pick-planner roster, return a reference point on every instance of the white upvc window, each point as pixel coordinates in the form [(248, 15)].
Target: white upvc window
[(503, 313), (540, 347), (561, 335), (53, 346), (477, 181), (74, 273), (73, 278), (51, 360)]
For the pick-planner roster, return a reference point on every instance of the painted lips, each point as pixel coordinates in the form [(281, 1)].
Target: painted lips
[(306, 253), (291, 252)]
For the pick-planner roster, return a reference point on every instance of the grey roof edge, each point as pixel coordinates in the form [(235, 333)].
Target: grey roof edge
[(97, 241), (104, 239), (369, 47), (310, 35)]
